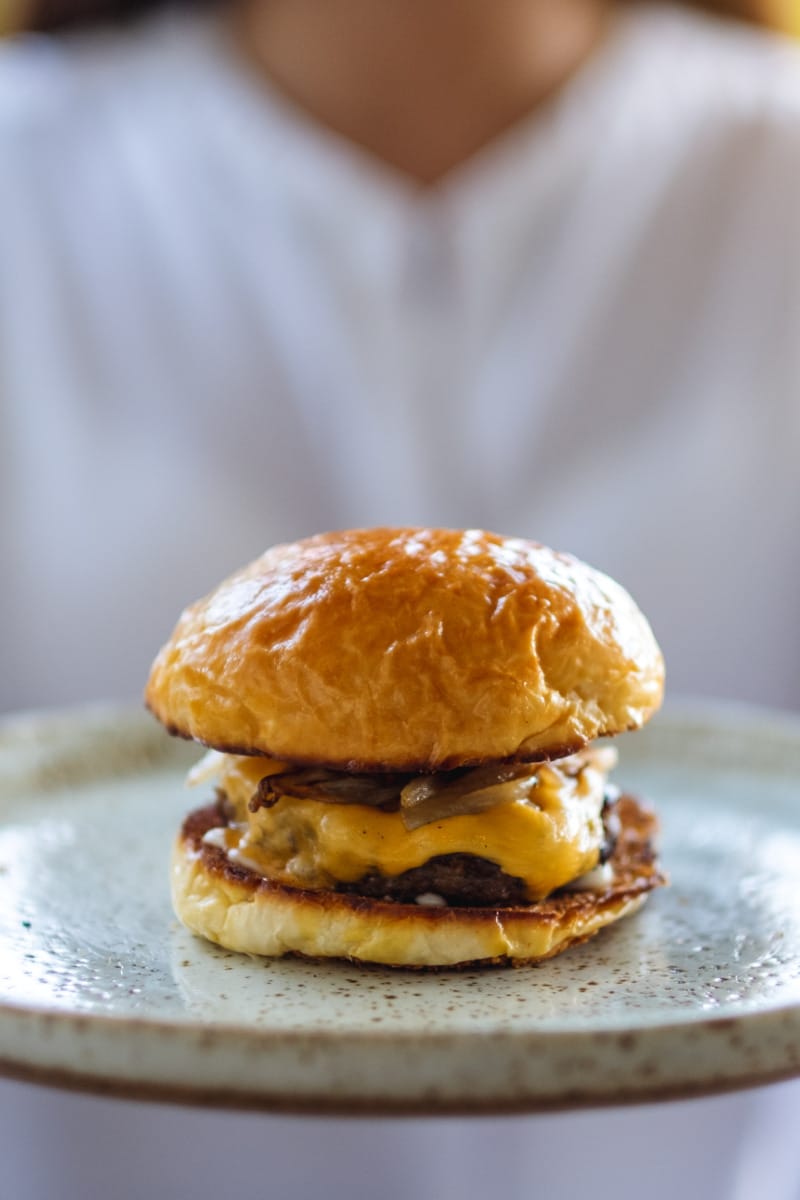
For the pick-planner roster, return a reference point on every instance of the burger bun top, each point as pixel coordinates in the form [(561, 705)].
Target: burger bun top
[(408, 650)]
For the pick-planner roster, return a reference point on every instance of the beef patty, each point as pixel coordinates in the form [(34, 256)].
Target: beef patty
[(463, 879)]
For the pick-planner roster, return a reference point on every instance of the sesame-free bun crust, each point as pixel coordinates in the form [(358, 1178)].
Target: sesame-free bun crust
[(240, 910), (408, 649)]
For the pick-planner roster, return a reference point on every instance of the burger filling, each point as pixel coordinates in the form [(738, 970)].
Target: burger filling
[(494, 834)]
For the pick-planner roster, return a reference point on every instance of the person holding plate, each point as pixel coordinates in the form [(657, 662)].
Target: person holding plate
[(276, 266)]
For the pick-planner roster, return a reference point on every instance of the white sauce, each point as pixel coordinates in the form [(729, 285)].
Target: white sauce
[(594, 880), (431, 900)]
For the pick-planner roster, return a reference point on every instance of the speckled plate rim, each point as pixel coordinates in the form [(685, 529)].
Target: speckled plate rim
[(751, 1051), (232, 1065)]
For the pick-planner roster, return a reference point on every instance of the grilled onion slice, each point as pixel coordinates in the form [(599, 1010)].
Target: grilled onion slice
[(430, 798), (334, 787), (423, 799)]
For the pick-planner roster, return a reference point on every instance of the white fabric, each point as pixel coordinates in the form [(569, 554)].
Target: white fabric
[(221, 326)]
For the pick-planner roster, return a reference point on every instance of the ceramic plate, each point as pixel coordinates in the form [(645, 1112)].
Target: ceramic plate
[(101, 988)]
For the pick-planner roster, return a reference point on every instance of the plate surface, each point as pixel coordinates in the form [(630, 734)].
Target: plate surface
[(101, 988)]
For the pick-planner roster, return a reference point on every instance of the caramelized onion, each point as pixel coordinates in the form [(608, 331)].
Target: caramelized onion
[(430, 798), (423, 799), (334, 787)]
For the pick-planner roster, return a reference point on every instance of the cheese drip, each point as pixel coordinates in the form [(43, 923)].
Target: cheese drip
[(548, 839)]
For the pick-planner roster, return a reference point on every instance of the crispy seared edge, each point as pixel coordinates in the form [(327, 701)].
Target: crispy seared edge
[(636, 873)]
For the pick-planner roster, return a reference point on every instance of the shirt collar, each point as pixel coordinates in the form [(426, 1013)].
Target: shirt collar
[(335, 190)]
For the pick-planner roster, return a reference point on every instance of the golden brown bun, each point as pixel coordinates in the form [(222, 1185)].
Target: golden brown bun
[(233, 907), (408, 649)]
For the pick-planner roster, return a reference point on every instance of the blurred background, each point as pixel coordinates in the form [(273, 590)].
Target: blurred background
[(18, 15), (21, 15), (269, 267)]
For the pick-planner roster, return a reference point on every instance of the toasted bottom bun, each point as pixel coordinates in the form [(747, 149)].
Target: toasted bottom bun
[(236, 908)]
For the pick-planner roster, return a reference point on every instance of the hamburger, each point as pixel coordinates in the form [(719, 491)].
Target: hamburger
[(404, 764)]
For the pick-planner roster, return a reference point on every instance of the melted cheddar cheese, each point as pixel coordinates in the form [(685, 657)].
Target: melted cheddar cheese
[(547, 840)]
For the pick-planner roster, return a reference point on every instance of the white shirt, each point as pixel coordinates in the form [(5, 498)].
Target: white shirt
[(221, 326)]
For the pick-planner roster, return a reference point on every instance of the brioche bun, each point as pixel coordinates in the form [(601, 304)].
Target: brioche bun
[(409, 650)]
